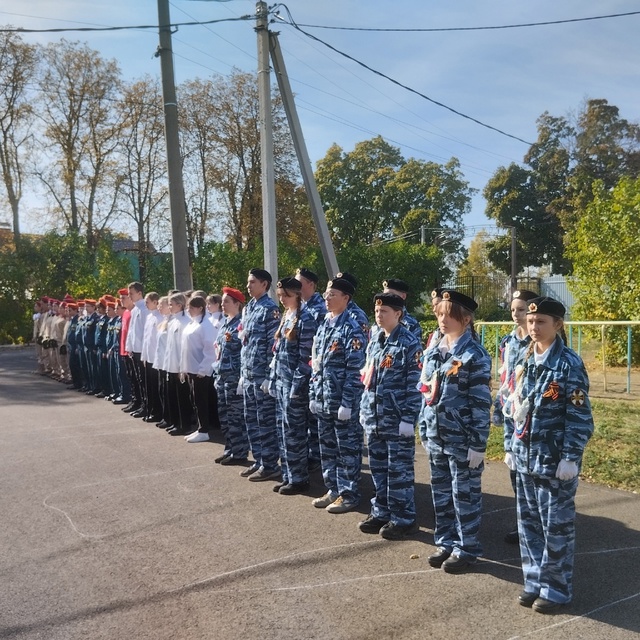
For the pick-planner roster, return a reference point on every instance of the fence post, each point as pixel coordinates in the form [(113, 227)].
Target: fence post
[(604, 356), (629, 359)]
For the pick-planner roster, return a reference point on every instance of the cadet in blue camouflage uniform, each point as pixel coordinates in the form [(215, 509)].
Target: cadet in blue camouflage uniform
[(388, 412), (227, 376), (401, 288), (336, 388), (354, 310), (89, 341), (434, 338), (512, 348), (552, 425), (314, 303), (289, 384), (260, 321), (454, 427)]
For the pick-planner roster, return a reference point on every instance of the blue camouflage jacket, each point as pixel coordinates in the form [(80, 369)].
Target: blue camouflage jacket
[(512, 350), (360, 317), (413, 325), (551, 411), (260, 320), (317, 307), (338, 355), (291, 365), (102, 325), (89, 331), (227, 347), (391, 380), (113, 334), (457, 395), (71, 335), (80, 331)]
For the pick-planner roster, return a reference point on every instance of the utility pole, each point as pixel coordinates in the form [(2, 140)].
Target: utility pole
[(266, 145), (326, 246), (514, 273), (181, 267)]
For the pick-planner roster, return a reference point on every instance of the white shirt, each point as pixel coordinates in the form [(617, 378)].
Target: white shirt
[(173, 350), (150, 336), (216, 319), (198, 354), (136, 327)]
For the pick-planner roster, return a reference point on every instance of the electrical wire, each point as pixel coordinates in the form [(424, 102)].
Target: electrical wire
[(404, 86), (487, 28)]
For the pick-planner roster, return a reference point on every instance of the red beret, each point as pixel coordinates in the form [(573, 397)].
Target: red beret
[(123, 292), (234, 293), (45, 299), (90, 301), (72, 305)]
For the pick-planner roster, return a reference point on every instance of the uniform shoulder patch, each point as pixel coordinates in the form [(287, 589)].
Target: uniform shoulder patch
[(356, 343), (276, 314), (578, 397)]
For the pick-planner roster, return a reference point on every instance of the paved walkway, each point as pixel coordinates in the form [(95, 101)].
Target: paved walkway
[(111, 529)]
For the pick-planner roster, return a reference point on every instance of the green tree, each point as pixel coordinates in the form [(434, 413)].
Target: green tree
[(605, 250)]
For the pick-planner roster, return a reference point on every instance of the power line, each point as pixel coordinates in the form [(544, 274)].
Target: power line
[(488, 28), (404, 86), (124, 27)]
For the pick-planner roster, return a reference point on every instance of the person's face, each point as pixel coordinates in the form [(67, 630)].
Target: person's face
[(288, 299), (195, 312), (152, 305), (336, 300), (519, 312), (434, 303), (175, 307), (256, 288), (134, 295), (542, 328), (89, 308), (111, 312), (448, 325), (213, 307), (308, 287), (163, 307), (230, 306), (56, 309), (119, 310), (387, 318)]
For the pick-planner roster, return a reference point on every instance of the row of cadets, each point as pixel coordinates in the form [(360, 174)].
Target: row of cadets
[(133, 347), (147, 357)]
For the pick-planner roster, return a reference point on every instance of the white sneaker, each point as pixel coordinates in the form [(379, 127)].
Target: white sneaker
[(198, 436), (324, 501), (340, 505)]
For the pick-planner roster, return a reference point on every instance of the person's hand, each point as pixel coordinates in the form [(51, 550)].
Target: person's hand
[(344, 414), (314, 407), (264, 387), (475, 458), (510, 461), (239, 388), (406, 429), (566, 470), (182, 377)]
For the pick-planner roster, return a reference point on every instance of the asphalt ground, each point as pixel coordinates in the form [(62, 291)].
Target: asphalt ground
[(111, 529)]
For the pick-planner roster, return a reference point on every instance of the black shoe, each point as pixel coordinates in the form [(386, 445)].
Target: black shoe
[(371, 524), (176, 432), (245, 473), (100, 395), (526, 599), (163, 424), (294, 489), (542, 605), (91, 392), (393, 531), (120, 400), (130, 407), (230, 461), (512, 537), (140, 413), (435, 560), (276, 487), (458, 564), (314, 465), (219, 459)]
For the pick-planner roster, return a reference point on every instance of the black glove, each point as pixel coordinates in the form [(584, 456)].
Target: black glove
[(63, 350)]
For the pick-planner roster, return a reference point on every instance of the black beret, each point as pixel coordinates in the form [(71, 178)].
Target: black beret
[(389, 300), (290, 283), (396, 284), (524, 294), (349, 277), (307, 273), (437, 293), (547, 307), (341, 284), (459, 298), (261, 274)]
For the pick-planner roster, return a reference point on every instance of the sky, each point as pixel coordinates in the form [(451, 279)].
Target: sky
[(505, 78)]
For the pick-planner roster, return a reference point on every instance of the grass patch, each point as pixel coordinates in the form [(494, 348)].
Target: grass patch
[(612, 456)]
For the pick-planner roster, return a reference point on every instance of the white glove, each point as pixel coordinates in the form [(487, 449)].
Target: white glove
[(406, 429), (314, 407), (182, 377), (272, 391), (567, 470), (475, 458), (240, 387), (344, 414), (264, 387), (510, 461)]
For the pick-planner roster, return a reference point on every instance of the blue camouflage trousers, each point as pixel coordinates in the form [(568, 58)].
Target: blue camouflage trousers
[(546, 525), (341, 455), (260, 422), (292, 434), (391, 465), (313, 437), (457, 500), (231, 414)]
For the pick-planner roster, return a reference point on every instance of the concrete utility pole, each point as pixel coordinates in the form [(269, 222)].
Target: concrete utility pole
[(326, 246), (514, 273), (266, 146), (181, 267)]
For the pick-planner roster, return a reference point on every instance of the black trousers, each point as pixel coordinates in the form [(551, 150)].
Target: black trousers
[(154, 408), (200, 399), (163, 394), (180, 407), (138, 386)]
